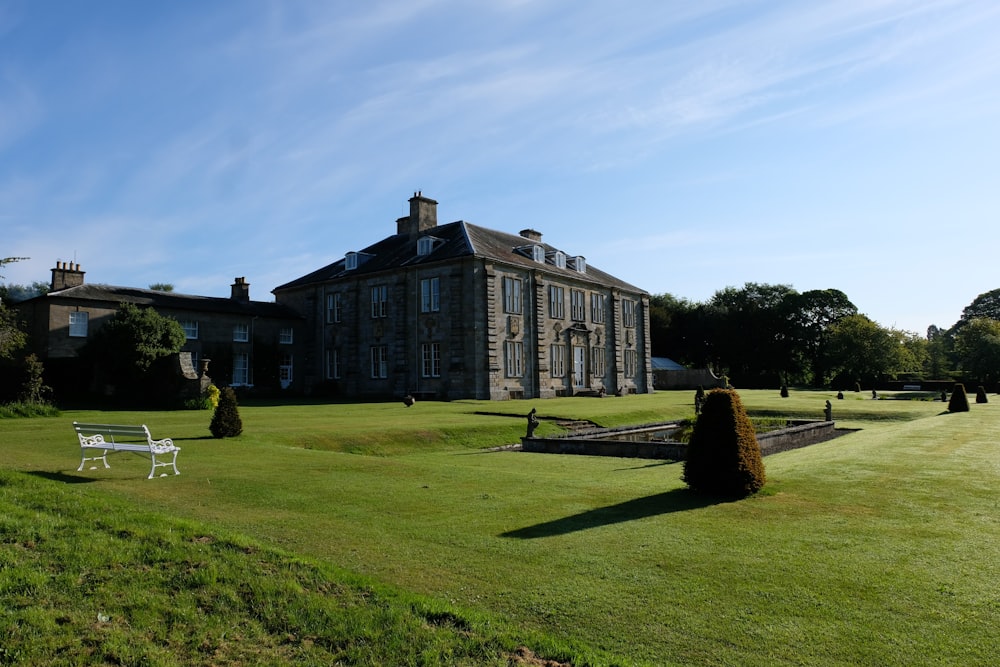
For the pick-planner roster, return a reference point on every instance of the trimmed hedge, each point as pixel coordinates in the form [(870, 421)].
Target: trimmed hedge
[(723, 457), (959, 400)]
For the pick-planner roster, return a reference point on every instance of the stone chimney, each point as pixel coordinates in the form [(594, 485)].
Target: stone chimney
[(423, 216), (66, 275), (531, 235), (241, 290)]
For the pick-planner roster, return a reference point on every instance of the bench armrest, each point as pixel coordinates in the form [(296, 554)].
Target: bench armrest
[(162, 446)]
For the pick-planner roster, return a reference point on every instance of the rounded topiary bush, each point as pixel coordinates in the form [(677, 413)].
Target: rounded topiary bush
[(981, 395), (959, 401), (723, 456), (226, 422)]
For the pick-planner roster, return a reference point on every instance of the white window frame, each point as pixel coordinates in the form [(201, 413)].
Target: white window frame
[(190, 329), (425, 245), (333, 370), (557, 360), (380, 301), (538, 253), (628, 312), (512, 302), (580, 264), (514, 359), (578, 305), (79, 323), (631, 359), (598, 306), (333, 308), (285, 367), (286, 336), (430, 295), (241, 369), (598, 362), (241, 333), (557, 302), (350, 261), (430, 355), (380, 362)]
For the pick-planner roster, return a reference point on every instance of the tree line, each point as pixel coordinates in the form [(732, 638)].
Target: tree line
[(762, 335)]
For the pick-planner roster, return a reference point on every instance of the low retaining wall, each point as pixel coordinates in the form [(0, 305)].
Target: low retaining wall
[(603, 443)]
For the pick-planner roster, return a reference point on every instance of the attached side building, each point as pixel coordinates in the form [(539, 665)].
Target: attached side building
[(460, 311), (248, 342)]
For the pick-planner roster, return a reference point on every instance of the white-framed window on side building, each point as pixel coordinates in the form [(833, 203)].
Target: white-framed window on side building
[(190, 329), (430, 354), (380, 301), (577, 305), (78, 324), (241, 369), (430, 295), (557, 360), (241, 333), (333, 308), (514, 358), (380, 361), (557, 302), (333, 364), (285, 336), (285, 371), (511, 294)]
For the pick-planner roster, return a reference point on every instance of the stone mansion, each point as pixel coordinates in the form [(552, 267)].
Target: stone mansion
[(460, 311)]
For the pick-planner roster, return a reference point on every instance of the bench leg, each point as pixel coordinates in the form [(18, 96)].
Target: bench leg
[(103, 458)]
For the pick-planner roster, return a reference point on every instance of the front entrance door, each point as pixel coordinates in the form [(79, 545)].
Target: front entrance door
[(579, 366)]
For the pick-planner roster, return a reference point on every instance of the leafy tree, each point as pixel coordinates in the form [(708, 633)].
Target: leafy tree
[(977, 345), (162, 287), (959, 401), (11, 294), (986, 305), (811, 315), (226, 422), (940, 350), (723, 457), (34, 389), (862, 351), (127, 346), (753, 336), (11, 336)]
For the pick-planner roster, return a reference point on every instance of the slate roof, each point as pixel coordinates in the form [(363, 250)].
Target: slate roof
[(665, 364), (455, 240), (173, 301)]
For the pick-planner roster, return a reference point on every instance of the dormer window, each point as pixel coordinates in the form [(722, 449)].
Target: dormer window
[(538, 254), (580, 264), (425, 245), (559, 259), (351, 261)]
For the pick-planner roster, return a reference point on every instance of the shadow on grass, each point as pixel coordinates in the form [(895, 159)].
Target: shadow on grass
[(61, 477), (676, 500)]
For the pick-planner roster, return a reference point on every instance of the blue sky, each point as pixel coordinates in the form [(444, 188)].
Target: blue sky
[(684, 147)]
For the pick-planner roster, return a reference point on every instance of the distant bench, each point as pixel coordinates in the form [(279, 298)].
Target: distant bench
[(122, 438)]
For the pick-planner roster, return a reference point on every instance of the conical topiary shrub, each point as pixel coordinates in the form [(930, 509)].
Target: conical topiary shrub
[(226, 422), (723, 456), (959, 401), (981, 395)]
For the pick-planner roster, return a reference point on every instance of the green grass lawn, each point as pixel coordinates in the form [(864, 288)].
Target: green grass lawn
[(879, 547)]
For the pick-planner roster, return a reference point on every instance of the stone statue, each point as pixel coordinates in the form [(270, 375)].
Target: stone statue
[(828, 412), (532, 423), (409, 400)]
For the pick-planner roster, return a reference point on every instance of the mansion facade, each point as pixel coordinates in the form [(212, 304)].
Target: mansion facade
[(460, 311)]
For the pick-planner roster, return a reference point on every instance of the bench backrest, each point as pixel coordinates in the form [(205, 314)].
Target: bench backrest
[(114, 432)]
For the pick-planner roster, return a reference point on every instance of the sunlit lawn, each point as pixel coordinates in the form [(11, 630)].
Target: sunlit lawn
[(878, 547)]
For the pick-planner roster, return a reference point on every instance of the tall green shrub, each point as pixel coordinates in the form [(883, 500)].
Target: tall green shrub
[(723, 457), (959, 401), (981, 395), (226, 422)]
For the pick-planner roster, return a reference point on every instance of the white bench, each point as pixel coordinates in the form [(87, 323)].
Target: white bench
[(122, 438)]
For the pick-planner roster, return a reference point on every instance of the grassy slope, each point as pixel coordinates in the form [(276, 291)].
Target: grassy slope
[(877, 547)]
